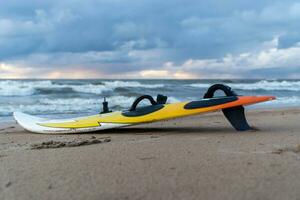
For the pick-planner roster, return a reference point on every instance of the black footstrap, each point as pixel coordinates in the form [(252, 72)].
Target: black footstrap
[(141, 98)]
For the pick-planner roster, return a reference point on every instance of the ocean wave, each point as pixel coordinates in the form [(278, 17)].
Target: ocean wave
[(122, 102), (21, 88), (120, 84), (280, 102), (66, 106), (46, 106), (173, 100), (111, 86), (200, 85), (27, 88), (90, 88), (53, 90), (260, 85), (287, 101)]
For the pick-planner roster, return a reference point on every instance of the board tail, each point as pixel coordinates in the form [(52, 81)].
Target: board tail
[(235, 115)]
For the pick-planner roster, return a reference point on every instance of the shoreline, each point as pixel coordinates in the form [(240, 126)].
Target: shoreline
[(197, 157)]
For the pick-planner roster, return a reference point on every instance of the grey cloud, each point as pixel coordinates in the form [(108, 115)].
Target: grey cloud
[(110, 32)]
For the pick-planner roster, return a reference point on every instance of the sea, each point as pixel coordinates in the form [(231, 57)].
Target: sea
[(81, 97)]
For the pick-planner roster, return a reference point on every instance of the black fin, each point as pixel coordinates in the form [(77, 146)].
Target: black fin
[(236, 117)]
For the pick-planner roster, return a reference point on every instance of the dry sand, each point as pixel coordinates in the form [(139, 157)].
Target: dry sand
[(199, 157)]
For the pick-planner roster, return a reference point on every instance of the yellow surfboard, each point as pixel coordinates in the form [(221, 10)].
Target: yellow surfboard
[(230, 105)]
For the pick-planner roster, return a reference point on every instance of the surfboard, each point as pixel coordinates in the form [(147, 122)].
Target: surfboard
[(230, 105)]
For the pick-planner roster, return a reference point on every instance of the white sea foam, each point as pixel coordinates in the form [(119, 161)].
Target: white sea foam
[(280, 102), (63, 105), (90, 88), (21, 88), (116, 84), (87, 104), (200, 85), (260, 85), (26, 88), (72, 105), (111, 85), (288, 101), (269, 85), (48, 106), (173, 100)]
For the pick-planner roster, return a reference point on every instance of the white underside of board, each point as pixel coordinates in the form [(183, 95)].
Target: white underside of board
[(31, 123)]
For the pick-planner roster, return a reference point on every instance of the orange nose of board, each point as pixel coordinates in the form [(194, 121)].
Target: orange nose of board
[(247, 100)]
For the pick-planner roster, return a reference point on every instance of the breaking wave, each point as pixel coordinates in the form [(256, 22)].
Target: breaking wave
[(27, 88), (260, 85), (70, 105)]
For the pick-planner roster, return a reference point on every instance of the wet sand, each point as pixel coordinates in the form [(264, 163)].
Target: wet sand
[(199, 157)]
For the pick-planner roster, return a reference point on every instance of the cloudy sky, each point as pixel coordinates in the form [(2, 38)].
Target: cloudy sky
[(150, 39)]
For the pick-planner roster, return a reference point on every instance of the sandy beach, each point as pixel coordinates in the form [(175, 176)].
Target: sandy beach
[(199, 157)]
